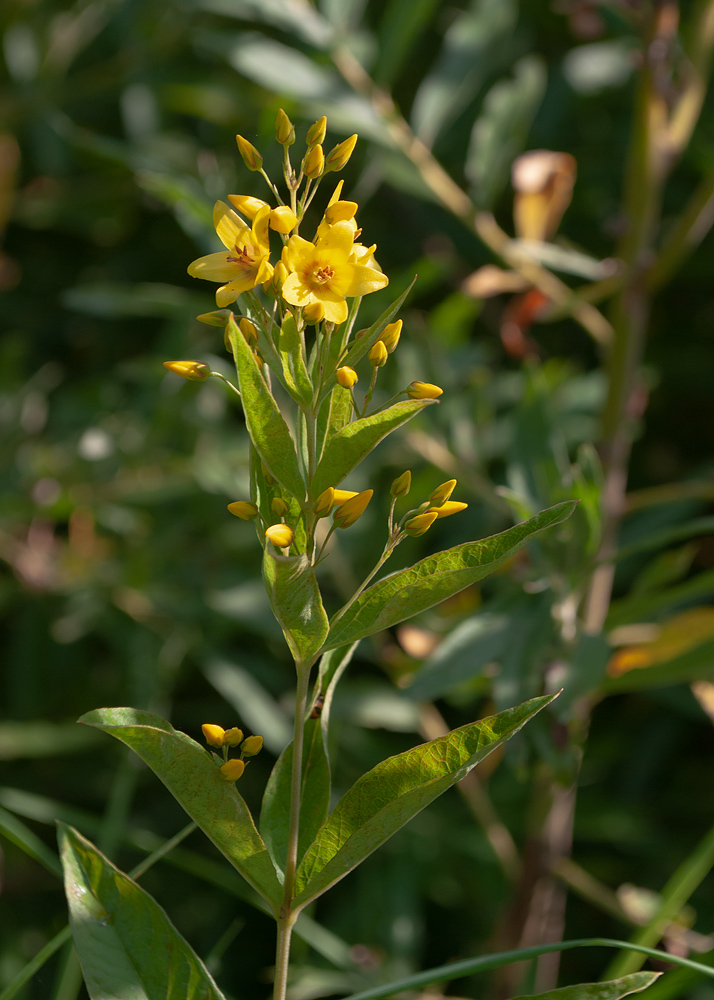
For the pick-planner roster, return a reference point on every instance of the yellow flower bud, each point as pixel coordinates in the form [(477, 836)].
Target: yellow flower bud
[(348, 512), (279, 507), (442, 493), (258, 359), (378, 355), (284, 129), (251, 746), (279, 276), (246, 204), (251, 157), (233, 737), (448, 508), (325, 502), (248, 330), (317, 132), (390, 335), (243, 509), (213, 735), (314, 163), (314, 312), (342, 496), (401, 485), (283, 219), (281, 535), (420, 524), (194, 371), (423, 390), (341, 211), (266, 475), (338, 156), (219, 317), (346, 377), (232, 769)]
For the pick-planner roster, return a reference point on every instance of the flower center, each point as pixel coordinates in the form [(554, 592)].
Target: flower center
[(244, 258), (322, 275)]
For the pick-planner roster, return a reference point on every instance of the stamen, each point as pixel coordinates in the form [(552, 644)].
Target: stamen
[(242, 258)]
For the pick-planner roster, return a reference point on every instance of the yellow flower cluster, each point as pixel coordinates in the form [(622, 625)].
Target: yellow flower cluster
[(216, 736)]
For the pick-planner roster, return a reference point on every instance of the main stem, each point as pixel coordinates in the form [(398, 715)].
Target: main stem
[(287, 916)]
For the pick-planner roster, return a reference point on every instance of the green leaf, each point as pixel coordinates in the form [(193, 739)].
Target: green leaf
[(430, 581), (192, 777), (335, 413), (23, 837), (297, 604), (369, 338), (611, 990), (291, 344), (126, 943), (348, 447), (266, 425), (389, 795), (316, 783)]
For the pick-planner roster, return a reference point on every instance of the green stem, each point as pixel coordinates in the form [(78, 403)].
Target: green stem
[(389, 548)]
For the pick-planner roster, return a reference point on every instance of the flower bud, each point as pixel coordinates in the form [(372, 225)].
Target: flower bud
[(442, 493), (248, 330), (284, 129), (346, 377), (232, 769), (338, 156), (219, 317), (341, 211), (279, 507), (325, 502), (448, 508), (283, 220), (258, 359), (314, 312), (246, 204), (251, 746), (378, 355), (280, 274), (194, 371), (390, 335), (251, 157), (233, 737), (281, 535), (314, 163), (342, 496), (317, 132), (352, 509), (243, 509), (423, 390), (213, 735), (420, 524), (401, 485)]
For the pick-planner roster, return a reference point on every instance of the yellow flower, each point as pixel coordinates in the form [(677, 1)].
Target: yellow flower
[(324, 272), (245, 264), (232, 769), (340, 154), (342, 496), (348, 512), (243, 509), (314, 313), (317, 132), (281, 535), (442, 493), (401, 485), (279, 507), (284, 129), (378, 354), (252, 746), (251, 157), (346, 377), (194, 371), (423, 390), (314, 163), (232, 737), (214, 735), (246, 204), (391, 334), (420, 524), (448, 508), (325, 502), (283, 219)]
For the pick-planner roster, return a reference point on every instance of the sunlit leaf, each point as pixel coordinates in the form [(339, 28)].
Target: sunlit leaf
[(297, 604), (611, 990)]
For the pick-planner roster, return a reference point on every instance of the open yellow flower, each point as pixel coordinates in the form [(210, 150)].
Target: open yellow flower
[(324, 272), (245, 263)]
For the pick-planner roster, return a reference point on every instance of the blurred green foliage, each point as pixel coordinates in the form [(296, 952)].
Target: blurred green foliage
[(123, 580)]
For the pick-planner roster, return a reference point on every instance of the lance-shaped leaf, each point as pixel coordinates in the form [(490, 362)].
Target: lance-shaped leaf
[(613, 989), (267, 428), (348, 447), (411, 591), (315, 801), (126, 943), (291, 345), (297, 604), (389, 795), (369, 338), (193, 779)]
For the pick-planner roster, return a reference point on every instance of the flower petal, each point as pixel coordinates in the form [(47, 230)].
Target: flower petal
[(339, 237), (298, 253), (366, 280), (230, 292), (213, 267), (231, 229)]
